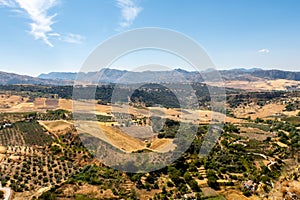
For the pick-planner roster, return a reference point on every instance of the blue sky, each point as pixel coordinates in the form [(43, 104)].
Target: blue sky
[(58, 35)]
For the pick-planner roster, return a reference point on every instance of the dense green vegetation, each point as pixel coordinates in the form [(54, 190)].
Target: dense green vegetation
[(148, 94)]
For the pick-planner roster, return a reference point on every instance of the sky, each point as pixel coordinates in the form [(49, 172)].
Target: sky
[(40, 36)]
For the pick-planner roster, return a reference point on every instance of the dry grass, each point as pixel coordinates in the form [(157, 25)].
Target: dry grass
[(40, 105), (209, 192), (254, 133), (122, 140), (255, 111), (112, 135), (259, 85), (163, 145), (55, 126)]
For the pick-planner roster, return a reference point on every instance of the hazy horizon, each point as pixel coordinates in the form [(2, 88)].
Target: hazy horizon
[(189, 70)]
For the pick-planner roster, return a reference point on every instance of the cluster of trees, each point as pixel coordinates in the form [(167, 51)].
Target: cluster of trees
[(34, 171), (292, 106), (146, 95), (58, 114), (41, 167), (169, 129), (236, 100)]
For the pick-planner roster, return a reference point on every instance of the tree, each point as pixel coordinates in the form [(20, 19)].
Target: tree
[(194, 185), (246, 192), (212, 182), (150, 179), (212, 179), (174, 174), (187, 177), (268, 139), (258, 120)]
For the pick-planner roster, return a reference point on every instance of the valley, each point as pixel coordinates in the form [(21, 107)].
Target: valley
[(43, 153)]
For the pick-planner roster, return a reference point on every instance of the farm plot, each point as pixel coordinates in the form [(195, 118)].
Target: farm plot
[(27, 168), (33, 133), (32, 168), (11, 137), (254, 133), (56, 126)]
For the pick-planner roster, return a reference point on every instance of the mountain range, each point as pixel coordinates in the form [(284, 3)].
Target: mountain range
[(123, 76), (14, 79)]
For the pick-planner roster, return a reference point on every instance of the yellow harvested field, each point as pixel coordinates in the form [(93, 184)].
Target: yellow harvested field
[(8, 101), (291, 113), (255, 111), (163, 145), (116, 137), (66, 104), (112, 135), (122, 140), (259, 85)]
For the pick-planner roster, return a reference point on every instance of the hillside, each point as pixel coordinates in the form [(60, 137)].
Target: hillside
[(11, 78), (253, 79), (177, 75)]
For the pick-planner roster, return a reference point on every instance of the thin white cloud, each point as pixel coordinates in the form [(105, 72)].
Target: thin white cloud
[(41, 21), (263, 51), (72, 38), (129, 11), (68, 38)]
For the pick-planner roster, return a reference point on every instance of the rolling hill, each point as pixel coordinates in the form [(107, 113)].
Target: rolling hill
[(177, 75), (123, 76), (14, 79)]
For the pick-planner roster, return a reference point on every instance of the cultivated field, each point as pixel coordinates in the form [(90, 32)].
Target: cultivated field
[(259, 85)]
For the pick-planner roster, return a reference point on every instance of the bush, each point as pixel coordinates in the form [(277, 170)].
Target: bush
[(48, 196), (246, 192), (170, 184)]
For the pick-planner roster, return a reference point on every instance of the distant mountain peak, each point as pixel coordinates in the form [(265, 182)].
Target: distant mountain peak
[(181, 70), (247, 70)]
